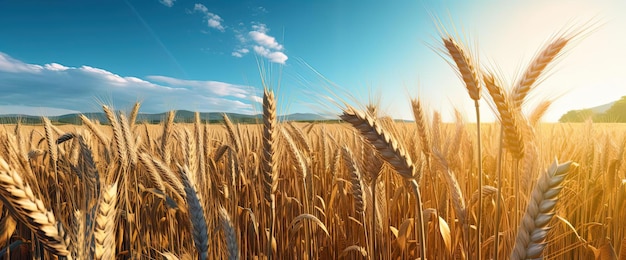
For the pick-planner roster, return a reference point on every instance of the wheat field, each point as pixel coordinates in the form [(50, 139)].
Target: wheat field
[(367, 187)]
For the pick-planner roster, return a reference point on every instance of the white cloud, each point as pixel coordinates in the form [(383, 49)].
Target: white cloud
[(221, 89), (55, 66), (213, 20), (8, 64), (265, 40), (266, 45), (80, 88), (240, 52), (273, 56), (257, 99), (260, 27), (168, 3), (200, 8)]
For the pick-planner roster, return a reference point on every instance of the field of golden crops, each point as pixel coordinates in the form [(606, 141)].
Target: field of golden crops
[(365, 188)]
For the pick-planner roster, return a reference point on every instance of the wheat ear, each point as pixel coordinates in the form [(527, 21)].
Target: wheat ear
[(229, 234), (537, 66), (95, 130), (533, 229), (393, 152), (268, 157), (355, 179), (388, 147), (105, 221), (166, 154), (196, 216), (231, 132), (422, 126), (198, 135), (132, 119), (466, 67), (18, 196), (118, 136), (513, 139), (129, 140)]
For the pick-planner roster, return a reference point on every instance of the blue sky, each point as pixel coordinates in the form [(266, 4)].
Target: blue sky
[(65, 56)]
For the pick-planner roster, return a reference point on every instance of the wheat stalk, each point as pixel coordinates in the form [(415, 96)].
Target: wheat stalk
[(393, 152)]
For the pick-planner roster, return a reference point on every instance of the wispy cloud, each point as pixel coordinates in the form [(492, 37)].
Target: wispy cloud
[(54, 85), (273, 56), (240, 52), (266, 45), (213, 20), (168, 3), (255, 38)]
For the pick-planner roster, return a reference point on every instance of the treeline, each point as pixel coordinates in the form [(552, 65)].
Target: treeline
[(615, 114)]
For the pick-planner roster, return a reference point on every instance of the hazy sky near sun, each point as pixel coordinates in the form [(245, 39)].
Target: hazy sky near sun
[(65, 56)]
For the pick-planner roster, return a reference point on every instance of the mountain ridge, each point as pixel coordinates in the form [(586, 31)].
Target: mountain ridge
[(184, 116)]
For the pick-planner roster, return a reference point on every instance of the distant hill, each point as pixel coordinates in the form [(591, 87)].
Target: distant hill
[(613, 112), (182, 116), (602, 108)]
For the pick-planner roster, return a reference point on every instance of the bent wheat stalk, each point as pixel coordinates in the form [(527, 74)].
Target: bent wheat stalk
[(469, 75), (393, 152)]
